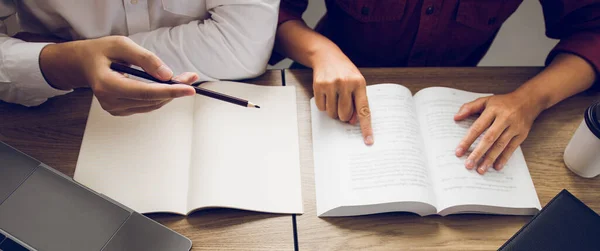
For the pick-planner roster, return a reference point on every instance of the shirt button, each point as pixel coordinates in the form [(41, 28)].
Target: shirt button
[(492, 21), (134, 1), (364, 11), (429, 10)]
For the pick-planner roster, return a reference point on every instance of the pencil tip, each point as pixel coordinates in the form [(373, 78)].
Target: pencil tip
[(250, 104)]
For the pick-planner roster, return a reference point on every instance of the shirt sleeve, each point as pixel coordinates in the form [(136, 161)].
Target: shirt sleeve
[(292, 10), (234, 43), (289, 10), (577, 25), (21, 79)]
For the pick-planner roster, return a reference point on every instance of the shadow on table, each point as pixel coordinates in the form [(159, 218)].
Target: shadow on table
[(585, 189), (409, 224), (213, 219)]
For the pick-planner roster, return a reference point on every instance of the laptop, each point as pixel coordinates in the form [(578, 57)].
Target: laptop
[(42, 209)]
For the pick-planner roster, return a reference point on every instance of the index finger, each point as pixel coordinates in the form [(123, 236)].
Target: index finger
[(125, 49), (124, 87), (478, 128), (364, 114)]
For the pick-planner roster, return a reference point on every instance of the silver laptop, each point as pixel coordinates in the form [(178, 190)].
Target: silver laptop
[(42, 209)]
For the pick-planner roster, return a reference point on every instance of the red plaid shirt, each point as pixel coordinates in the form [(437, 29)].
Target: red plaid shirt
[(387, 33)]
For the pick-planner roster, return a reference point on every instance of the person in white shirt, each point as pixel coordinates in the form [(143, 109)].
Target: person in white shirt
[(214, 39)]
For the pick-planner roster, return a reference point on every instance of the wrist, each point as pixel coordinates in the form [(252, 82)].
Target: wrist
[(566, 76), (316, 58), (329, 59), (536, 100), (56, 67)]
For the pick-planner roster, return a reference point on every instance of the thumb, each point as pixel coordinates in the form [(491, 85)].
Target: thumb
[(470, 108)]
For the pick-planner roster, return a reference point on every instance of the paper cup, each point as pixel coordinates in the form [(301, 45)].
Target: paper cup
[(582, 155)]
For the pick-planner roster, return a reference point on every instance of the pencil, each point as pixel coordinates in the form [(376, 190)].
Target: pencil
[(205, 92)]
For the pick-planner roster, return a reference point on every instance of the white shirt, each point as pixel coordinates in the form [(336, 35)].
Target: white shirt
[(218, 39)]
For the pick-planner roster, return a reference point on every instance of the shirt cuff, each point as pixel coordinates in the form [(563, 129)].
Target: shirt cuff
[(583, 44), (29, 85)]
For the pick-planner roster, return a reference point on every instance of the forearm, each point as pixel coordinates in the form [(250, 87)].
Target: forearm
[(566, 76), (300, 43)]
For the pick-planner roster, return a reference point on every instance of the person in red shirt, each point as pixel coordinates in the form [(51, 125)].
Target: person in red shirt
[(370, 33)]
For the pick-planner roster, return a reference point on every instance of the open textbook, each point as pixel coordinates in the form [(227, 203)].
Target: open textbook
[(197, 152), (412, 166)]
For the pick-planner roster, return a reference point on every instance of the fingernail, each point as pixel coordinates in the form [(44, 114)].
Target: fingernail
[(164, 72), (369, 140), (459, 151), (469, 164), (460, 111), (482, 169), (499, 167)]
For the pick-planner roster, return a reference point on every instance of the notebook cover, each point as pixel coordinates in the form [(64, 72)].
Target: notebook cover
[(564, 224)]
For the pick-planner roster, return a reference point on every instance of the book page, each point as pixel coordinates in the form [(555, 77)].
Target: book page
[(350, 173), (510, 187), (246, 158), (141, 160)]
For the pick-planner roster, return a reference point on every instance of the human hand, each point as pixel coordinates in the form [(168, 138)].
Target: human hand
[(340, 89), (504, 124), (86, 63)]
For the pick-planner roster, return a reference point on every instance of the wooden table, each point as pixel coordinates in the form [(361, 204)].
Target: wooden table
[(543, 151), (52, 133)]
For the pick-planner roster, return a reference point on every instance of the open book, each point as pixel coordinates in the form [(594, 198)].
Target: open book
[(197, 152), (412, 166)]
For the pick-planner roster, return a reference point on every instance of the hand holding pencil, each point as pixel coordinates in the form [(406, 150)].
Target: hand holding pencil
[(205, 92), (86, 63)]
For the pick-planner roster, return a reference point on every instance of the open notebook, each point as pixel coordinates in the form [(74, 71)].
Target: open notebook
[(197, 152), (412, 166)]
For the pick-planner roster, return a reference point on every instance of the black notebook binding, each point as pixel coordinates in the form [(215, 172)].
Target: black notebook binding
[(565, 223)]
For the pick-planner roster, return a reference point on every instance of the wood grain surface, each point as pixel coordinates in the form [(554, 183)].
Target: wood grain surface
[(52, 133), (543, 151)]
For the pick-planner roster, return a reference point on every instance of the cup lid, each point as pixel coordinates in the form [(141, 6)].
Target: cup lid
[(592, 119)]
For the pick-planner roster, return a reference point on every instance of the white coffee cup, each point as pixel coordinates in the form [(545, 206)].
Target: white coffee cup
[(582, 154)]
